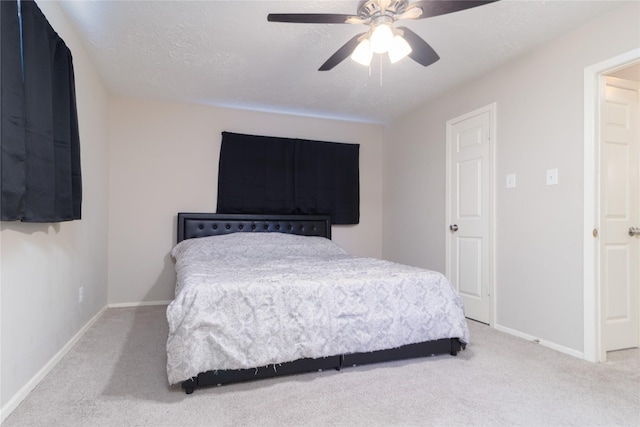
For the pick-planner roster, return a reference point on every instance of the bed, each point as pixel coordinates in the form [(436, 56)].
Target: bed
[(259, 296)]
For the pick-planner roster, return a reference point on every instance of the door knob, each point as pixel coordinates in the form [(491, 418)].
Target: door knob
[(454, 228), (634, 231)]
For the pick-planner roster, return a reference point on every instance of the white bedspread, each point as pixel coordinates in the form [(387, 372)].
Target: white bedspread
[(254, 299)]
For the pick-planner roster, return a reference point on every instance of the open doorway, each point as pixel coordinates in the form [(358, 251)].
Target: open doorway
[(612, 206)]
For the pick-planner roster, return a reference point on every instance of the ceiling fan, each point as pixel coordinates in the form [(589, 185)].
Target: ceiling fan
[(382, 37)]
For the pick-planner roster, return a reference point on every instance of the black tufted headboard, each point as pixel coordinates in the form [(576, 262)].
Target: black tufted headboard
[(192, 225)]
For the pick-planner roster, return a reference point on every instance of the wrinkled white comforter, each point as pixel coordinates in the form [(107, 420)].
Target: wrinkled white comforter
[(255, 300)]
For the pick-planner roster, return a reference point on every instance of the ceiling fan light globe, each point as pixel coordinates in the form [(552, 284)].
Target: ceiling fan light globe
[(412, 13), (399, 49), (362, 54), (381, 38)]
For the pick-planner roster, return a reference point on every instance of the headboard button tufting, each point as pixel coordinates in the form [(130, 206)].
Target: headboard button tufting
[(194, 225)]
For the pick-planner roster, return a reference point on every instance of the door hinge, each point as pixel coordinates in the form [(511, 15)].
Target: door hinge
[(595, 232)]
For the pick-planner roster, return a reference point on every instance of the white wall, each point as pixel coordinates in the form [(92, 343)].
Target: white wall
[(164, 159), (43, 265), (539, 289)]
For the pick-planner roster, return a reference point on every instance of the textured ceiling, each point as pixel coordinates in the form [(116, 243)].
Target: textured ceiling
[(225, 53)]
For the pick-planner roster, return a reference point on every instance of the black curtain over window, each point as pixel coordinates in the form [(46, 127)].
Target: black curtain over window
[(12, 139), (260, 174), (40, 145)]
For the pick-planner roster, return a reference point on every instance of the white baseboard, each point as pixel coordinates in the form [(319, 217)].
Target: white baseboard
[(137, 304), (551, 345), (13, 403)]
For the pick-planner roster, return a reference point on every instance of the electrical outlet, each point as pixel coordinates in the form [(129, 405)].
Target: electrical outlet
[(80, 294)]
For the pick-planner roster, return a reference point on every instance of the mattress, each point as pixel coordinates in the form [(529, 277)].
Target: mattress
[(247, 300)]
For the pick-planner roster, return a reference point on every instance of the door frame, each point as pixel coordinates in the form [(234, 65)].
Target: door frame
[(491, 109), (593, 76)]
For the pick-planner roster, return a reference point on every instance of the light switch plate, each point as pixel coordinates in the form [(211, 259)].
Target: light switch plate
[(511, 180), (552, 176)]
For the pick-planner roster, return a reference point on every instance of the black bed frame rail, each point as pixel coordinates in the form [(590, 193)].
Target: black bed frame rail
[(410, 351)]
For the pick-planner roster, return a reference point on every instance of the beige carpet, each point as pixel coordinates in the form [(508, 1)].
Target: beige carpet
[(115, 376)]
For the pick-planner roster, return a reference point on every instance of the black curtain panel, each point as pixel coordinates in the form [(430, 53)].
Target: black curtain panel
[(327, 180), (259, 174), (255, 175), (12, 148), (44, 166)]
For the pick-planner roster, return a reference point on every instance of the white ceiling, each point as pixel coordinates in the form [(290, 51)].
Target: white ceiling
[(225, 53)]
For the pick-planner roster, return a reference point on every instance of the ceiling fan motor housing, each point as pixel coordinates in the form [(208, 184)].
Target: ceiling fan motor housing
[(371, 9)]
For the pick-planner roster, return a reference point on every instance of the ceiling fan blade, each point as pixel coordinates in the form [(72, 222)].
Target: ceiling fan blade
[(309, 18), (421, 52), (439, 7), (341, 54)]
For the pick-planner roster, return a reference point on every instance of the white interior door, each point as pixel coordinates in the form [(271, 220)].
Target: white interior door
[(469, 210), (620, 211)]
